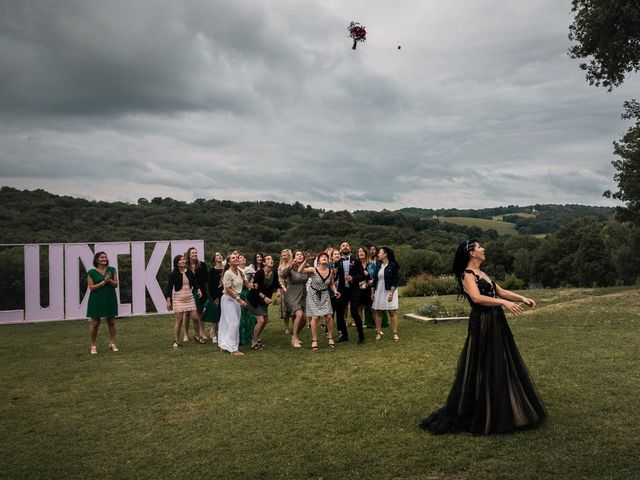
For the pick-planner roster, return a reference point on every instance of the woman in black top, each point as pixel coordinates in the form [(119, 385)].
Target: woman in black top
[(266, 283), (212, 308), (179, 294), (199, 270), (492, 391)]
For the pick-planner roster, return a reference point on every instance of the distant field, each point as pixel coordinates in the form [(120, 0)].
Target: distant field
[(503, 228), (520, 214)]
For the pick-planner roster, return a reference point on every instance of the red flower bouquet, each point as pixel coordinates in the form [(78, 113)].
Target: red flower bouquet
[(358, 33)]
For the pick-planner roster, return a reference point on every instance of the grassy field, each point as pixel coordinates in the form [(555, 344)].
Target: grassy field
[(503, 228), (152, 412), (520, 214)]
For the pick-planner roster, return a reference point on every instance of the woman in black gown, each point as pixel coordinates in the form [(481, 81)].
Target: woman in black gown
[(492, 391)]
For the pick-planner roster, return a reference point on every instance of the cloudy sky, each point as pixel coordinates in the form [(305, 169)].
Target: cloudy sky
[(252, 100)]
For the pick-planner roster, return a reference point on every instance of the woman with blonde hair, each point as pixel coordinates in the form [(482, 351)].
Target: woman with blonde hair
[(233, 282), (286, 260), (295, 295)]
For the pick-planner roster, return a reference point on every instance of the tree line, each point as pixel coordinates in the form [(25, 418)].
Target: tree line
[(579, 250)]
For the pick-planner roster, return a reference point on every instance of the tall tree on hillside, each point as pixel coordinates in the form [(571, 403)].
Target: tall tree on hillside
[(607, 33)]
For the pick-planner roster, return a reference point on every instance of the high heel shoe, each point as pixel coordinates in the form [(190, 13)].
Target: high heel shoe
[(94, 350), (314, 345), (396, 337), (378, 335), (113, 348), (330, 343)]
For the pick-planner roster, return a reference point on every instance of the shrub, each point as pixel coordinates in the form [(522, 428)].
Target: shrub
[(511, 282), (438, 309), (424, 285)]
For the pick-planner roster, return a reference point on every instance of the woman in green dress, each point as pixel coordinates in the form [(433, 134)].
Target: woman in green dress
[(102, 281), (247, 320)]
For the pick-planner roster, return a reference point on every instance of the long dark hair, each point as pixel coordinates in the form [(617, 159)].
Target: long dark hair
[(255, 261), (461, 260), (176, 259), (390, 256)]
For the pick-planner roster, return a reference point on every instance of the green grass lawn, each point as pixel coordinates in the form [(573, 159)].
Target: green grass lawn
[(152, 412), (503, 228)]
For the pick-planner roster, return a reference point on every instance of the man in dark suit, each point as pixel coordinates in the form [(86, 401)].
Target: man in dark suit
[(349, 274)]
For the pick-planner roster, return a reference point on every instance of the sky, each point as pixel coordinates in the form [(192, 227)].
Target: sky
[(266, 100)]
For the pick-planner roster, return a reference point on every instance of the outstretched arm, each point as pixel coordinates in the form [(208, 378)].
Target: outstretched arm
[(515, 297)]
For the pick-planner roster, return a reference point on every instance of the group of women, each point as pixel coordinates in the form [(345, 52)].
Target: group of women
[(235, 297), (491, 392)]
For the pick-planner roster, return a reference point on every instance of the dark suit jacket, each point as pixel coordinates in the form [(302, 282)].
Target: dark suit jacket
[(355, 270)]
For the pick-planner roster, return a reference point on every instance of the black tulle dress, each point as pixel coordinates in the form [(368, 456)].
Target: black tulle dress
[(492, 391)]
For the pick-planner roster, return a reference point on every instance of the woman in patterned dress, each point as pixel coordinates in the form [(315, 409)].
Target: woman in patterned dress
[(102, 281), (295, 295), (179, 294), (318, 304)]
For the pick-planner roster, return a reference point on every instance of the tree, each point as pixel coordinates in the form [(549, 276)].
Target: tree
[(628, 167), (608, 33)]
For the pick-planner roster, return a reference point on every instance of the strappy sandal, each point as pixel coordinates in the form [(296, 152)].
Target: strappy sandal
[(113, 348), (314, 345), (396, 337), (331, 344), (94, 350), (176, 345), (257, 346), (378, 335)]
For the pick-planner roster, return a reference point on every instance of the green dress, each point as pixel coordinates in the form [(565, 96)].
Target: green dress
[(247, 321), (103, 302)]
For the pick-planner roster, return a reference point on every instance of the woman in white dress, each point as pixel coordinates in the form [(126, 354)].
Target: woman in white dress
[(230, 303), (385, 291)]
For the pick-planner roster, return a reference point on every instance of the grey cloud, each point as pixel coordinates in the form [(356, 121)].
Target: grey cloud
[(250, 100)]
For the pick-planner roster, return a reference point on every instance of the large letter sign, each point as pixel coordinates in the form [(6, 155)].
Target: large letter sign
[(66, 301)]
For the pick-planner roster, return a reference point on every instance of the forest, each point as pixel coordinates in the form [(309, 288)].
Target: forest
[(574, 245)]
